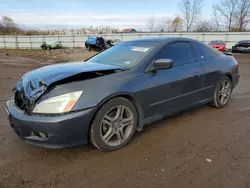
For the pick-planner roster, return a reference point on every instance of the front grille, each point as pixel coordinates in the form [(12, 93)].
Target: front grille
[(20, 101)]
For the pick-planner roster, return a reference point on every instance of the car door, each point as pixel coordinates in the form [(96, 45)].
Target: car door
[(168, 91), (208, 58)]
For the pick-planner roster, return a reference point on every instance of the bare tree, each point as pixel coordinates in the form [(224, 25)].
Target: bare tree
[(151, 25), (204, 26), (176, 24), (8, 26), (243, 11), (216, 18), (227, 9), (164, 24), (8, 22), (161, 25), (190, 9), (169, 24)]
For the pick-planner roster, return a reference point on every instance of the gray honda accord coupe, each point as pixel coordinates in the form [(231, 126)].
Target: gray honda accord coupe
[(105, 99)]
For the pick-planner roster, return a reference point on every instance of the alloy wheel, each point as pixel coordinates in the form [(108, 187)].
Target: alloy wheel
[(224, 92), (117, 125)]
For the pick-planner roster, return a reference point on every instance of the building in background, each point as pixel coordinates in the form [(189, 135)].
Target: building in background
[(129, 30)]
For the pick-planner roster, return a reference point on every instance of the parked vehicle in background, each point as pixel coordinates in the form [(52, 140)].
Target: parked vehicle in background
[(51, 45), (99, 43), (95, 43), (218, 44), (116, 92), (112, 42), (242, 46)]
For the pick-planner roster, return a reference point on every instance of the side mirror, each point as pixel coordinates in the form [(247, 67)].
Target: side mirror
[(163, 63)]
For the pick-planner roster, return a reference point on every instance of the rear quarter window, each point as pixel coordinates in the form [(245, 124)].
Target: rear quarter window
[(204, 51)]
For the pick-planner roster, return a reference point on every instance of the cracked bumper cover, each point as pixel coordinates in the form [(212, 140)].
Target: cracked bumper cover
[(63, 131)]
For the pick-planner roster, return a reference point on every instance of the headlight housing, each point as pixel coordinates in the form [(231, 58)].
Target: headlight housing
[(60, 104)]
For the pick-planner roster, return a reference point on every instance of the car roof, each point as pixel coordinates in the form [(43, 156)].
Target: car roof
[(244, 41), (162, 39), (217, 41)]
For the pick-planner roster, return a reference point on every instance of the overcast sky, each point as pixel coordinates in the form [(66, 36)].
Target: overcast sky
[(80, 13)]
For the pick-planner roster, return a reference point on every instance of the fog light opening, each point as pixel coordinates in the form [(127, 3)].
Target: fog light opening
[(39, 134), (32, 133), (43, 135)]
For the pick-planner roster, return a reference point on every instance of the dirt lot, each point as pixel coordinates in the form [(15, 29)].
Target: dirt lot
[(205, 147), (46, 56)]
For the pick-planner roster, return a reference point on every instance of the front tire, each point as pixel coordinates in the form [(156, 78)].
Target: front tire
[(114, 125), (223, 92)]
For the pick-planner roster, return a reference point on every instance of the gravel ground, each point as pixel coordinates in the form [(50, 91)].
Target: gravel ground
[(47, 56), (204, 147)]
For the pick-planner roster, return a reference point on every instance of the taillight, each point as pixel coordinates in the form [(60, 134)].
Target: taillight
[(236, 65)]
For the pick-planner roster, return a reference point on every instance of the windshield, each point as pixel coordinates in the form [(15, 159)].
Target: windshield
[(127, 54), (217, 42)]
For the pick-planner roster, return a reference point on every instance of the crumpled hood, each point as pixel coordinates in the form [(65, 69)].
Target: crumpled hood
[(34, 83)]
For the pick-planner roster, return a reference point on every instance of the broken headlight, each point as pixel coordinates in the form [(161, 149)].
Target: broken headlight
[(59, 104)]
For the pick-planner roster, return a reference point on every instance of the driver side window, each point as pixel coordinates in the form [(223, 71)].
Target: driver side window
[(179, 52)]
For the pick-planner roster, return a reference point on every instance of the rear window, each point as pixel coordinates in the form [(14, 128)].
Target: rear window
[(204, 51), (217, 42)]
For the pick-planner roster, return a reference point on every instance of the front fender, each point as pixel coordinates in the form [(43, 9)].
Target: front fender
[(130, 97)]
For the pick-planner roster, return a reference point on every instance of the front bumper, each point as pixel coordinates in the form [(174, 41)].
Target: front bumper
[(62, 131)]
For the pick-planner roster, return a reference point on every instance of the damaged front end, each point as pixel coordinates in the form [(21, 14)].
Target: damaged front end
[(24, 100), (37, 83)]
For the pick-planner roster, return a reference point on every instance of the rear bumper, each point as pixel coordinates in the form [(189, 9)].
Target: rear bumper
[(62, 131), (221, 48)]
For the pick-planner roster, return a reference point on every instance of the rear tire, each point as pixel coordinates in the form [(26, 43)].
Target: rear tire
[(112, 128), (223, 92)]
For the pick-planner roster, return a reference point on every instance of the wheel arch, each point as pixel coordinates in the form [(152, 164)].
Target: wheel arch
[(128, 96), (229, 76)]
